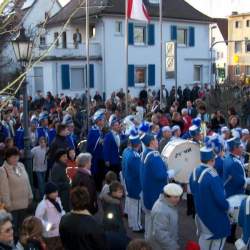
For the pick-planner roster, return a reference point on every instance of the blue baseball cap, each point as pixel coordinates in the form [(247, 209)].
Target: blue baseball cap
[(206, 154)]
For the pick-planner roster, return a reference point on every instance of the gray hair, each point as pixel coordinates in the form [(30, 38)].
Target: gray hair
[(83, 158), (4, 217)]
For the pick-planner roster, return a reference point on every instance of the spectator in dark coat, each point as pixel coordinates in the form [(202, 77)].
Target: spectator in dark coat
[(78, 229), (143, 96), (217, 122), (84, 178), (60, 178)]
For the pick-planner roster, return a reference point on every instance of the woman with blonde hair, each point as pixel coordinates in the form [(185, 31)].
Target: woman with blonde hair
[(31, 235)]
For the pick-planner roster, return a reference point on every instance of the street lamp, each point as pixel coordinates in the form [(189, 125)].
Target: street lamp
[(22, 47)]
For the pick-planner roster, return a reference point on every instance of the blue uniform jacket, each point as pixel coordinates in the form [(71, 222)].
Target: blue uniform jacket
[(125, 155), (218, 165), (233, 176), (52, 135), (244, 222), (19, 138), (95, 147), (111, 150), (42, 132), (211, 204), (132, 174), (154, 177)]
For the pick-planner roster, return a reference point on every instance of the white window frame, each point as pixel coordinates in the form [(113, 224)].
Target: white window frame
[(141, 84), (238, 24), (120, 24), (137, 25), (247, 43), (187, 37), (238, 42), (84, 77), (235, 71), (248, 23), (247, 67), (200, 67)]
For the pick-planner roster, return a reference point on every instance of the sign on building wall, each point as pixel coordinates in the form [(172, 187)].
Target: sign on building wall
[(170, 59)]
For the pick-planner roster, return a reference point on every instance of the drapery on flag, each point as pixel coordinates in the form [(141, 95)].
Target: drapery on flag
[(137, 11)]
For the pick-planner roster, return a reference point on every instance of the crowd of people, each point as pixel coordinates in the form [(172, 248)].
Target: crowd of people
[(80, 196)]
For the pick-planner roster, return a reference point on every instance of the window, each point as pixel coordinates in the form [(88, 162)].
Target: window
[(77, 79), (247, 46), (218, 55), (182, 36), (248, 70), (38, 79), (140, 75), (237, 24), (213, 40), (118, 27), (64, 40), (237, 47), (42, 41), (140, 35), (221, 55), (56, 34), (92, 31), (248, 23), (237, 70), (197, 73)]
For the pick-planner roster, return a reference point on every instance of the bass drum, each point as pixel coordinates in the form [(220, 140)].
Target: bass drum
[(183, 156)]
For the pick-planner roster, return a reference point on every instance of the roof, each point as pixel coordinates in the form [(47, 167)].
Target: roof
[(174, 9), (236, 14), (223, 26)]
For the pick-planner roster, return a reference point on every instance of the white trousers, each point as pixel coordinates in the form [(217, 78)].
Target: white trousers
[(147, 223), (134, 213), (211, 244)]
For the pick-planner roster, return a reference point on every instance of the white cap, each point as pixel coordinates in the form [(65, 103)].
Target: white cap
[(166, 129), (245, 131), (173, 189), (224, 129)]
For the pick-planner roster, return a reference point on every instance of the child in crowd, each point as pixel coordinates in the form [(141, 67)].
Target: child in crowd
[(50, 212), (109, 178), (71, 164), (40, 164)]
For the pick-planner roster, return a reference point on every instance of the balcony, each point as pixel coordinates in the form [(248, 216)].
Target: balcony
[(70, 52)]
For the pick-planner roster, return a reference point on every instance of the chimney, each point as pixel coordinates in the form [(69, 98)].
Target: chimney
[(235, 13)]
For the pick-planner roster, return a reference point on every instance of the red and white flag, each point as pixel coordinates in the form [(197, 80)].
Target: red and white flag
[(138, 11)]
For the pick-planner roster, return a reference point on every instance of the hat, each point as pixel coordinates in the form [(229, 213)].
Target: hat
[(233, 143), (166, 129), (173, 189), (245, 131), (50, 187), (34, 120), (237, 132), (67, 120), (134, 137), (197, 121), (59, 152), (217, 144), (206, 154), (112, 120), (194, 130), (99, 115), (175, 128), (43, 116), (147, 138), (224, 129), (144, 127)]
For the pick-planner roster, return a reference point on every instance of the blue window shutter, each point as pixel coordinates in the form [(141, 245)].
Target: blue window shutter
[(130, 33), (131, 75), (65, 76), (151, 34), (151, 75), (191, 37), (91, 76), (173, 32)]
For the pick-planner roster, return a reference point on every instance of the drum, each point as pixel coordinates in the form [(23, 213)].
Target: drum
[(235, 202), (182, 156)]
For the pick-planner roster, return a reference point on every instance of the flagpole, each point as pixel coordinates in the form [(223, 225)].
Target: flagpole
[(161, 45), (126, 55)]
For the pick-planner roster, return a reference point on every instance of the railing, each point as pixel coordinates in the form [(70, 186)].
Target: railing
[(70, 50)]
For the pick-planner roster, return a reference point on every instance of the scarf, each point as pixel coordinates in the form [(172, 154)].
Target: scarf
[(56, 204)]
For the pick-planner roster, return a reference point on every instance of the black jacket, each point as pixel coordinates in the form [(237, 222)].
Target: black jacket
[(81, 232), (5, 247), (84, 179)]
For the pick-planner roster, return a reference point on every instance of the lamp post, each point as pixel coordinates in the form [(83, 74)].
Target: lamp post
[(22, 46)]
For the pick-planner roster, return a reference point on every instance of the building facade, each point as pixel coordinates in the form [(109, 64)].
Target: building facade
[(64, 67), (239, 47)]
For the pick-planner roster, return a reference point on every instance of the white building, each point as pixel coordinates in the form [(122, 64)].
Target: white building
[(32, 13), (64, 67)]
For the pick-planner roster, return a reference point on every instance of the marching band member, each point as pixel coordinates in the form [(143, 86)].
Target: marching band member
[(111, 146), (211, 205), (43, 130), (234, 175), (176, 132), (95, 147), (71, 138), (225, 135), (154, 176), (219, 158), (166, 136), (133, 184)]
